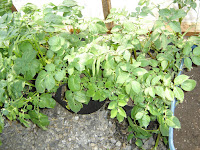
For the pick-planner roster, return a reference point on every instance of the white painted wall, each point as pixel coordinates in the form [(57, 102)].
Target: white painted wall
[(93, 8)]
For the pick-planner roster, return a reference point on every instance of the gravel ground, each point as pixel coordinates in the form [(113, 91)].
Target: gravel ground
[(69, 131)]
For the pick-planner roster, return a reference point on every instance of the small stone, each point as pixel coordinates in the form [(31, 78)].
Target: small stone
[(95, 148), (118, 144), (76, 117), (113, 140), (92, 144)]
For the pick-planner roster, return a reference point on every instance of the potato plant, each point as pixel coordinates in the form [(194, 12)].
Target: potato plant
[(38, 54)]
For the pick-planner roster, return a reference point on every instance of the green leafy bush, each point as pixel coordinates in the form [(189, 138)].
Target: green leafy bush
[(38, 54)]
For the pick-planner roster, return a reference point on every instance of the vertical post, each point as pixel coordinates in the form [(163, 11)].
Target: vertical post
[(106, 4)]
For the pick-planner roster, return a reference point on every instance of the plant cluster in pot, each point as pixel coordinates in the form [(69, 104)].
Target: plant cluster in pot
[(130, 64)]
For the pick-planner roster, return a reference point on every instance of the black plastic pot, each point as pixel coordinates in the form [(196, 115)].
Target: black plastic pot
[(92, 106)]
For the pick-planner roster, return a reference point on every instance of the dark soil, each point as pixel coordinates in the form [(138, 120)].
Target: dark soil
[(188, 137)]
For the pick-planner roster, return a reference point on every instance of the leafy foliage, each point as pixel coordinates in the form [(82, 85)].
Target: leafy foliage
[(38, 54)]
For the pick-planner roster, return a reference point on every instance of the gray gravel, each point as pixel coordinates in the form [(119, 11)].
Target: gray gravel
[(69, 131)]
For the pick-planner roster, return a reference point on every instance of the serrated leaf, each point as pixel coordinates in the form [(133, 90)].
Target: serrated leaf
[(188, 85), (180, 79), (136, 87), (169, 94), (179, 94)]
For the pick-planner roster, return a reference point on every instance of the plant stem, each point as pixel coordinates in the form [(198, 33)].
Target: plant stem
[(157, 141), (135, 54), (151, 55)]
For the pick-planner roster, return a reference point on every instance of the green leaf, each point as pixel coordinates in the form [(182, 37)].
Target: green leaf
[(54, 41), (160, 91), (187, 49), (164, 12), (80, 96), (47, 101), (60, 75), (69, 3), (164, 64), (127, 55), (50, 67), (49, 82), (153, 110), (122, 103), (122, 77), (38, 118), (128, 88), (145, 120), (139, 71), (196, 51), (155, 80), (173, 122), (113, 113), (179, 94), (112, 105), (74, 82), (188, 85), (74, 105), (139, 143), (196, 60), (40, 81), (175, 26), (139, 115), (180, 79), (121, 111), (136, 87), (120, 118), (188, 63), (130, 136), (167, 80), (164, 129), (169, 94)]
